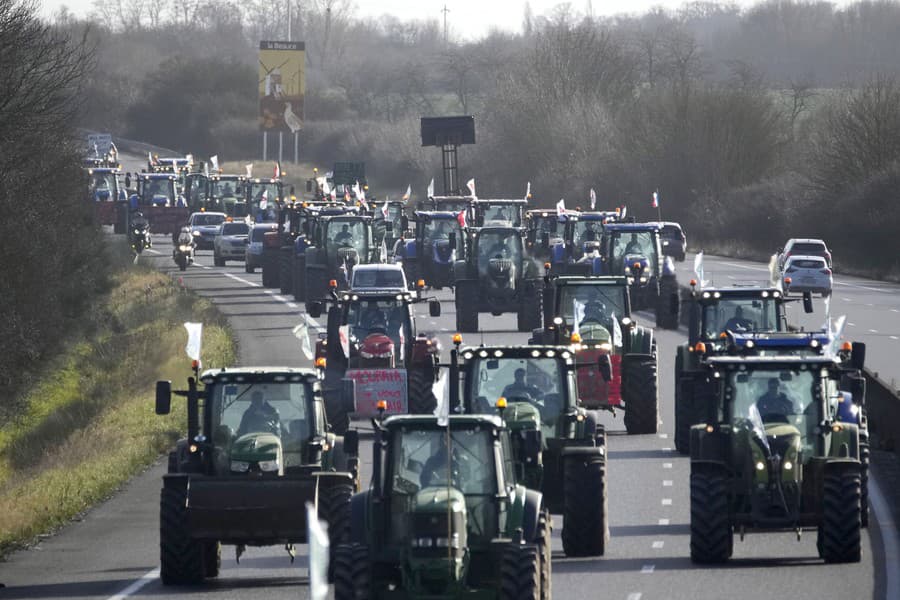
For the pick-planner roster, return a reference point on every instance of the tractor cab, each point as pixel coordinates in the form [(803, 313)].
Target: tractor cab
[(454, 204), (439, 241), (227, 194), (103, 185), (387, 212), (263, 198), (499, 213), (740, 310), (196, 191), (543, 229)]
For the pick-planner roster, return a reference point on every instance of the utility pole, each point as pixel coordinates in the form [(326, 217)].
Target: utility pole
[(445, 11), (289, 20)]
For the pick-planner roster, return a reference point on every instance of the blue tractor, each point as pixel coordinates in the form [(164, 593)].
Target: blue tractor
[(437, 244)]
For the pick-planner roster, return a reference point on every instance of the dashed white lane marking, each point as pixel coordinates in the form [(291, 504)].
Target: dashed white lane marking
[(667, 465), (634, 596), (667, 449), (658, 544), (663, 436), (894, 337), (667, 502), (732, 277), (292, 304), (851, 324), (894, 310), (241, 280), (204, 267), (648, 568), (664, 522), (136, 585), (667, 483), (152, 251), (873, 331), (748, 267)]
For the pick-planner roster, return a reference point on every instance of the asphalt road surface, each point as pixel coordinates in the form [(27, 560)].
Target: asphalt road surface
[(113, 551)]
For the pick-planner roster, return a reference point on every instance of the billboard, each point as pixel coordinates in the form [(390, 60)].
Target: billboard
[(282, 83)]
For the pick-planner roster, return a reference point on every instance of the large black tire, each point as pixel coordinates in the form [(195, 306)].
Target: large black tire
[(285, 272), (212, 558), (337, 416), (641, 394), (864, 458), (181, 558), (334, 509), (839, 532), (421, 398), (712, 539), (466, 300), (217, 261), (531, 310), (299, 266), (269, 271), (545, 551), (352, 572), (668, 304), (585, 528), (248, 268), (520, 573)]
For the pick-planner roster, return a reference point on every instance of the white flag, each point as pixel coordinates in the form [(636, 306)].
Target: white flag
[(836, 334), (561, 207), (190, 160), (326, 188), (698, 268), (441, 391), (206, 169), (617, 332), (577, 314), (317, 537), (150, 158), (528, 191), (430, 192), (301, 332), (624, 210), (215, 163), (408, 193), (402, 341), (471, 185), (264, 200), (195, 337), (249, 167), (384, 211), (384, 255), (344, 335), (827, 326), (593, 199)]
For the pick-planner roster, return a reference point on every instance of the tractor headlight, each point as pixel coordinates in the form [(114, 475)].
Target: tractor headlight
[(240, 466), (268, 465), (788, 465), (760, 466), (451, 542), (423, 542)]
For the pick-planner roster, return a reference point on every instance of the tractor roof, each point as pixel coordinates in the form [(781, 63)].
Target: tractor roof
[(168, 175), (437, 214), (771, 362), (591, 280), (636, 227), (509, 201), (560, 352), (226, 177), (457, 422), (251, 374), (93, 170), (713, 295)]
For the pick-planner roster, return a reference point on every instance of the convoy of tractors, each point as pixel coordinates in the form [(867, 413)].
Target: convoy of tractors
[(466, 475)]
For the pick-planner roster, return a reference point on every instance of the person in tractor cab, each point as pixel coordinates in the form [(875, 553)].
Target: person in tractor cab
[(442, 232), (260, 416), (590, 234), (373, 319), (344, 237), (439, 470), (634, 246), (519, 387), (774, 405), (738, 322)]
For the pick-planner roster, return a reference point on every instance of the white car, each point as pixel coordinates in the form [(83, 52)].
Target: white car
[(804, 247), (379, 277), (807, 274), (231, 243)]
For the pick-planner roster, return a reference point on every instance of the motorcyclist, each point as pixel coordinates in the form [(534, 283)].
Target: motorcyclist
[(184, 239), (140, 229)]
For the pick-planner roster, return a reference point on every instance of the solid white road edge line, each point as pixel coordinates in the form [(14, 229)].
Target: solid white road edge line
[(136, 585), (888, 530)]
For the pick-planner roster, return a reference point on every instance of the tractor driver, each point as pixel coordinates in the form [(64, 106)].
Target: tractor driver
[(373, 319), (590, 234), (441, 470), (774, 405), (442, 232), (519, 387), (344, 237), (260, 416), (634, 245), (738, 322)]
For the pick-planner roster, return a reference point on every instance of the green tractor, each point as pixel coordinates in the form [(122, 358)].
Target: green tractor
[(258, 447), (445, 517), (336, 244), (537, 386), (497, 276), (773, 455)]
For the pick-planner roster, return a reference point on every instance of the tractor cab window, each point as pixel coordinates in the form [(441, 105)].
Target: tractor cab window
[(587, 231), (226, 188), (773, 404), (536, 381), (279, 408), (547, 224), (509, 215), (197, 187), (453, 205), (387, 316), (158, 192), (347, 234), (105, 186), (466, 462), (592, 305), (499, 246), (740, 315), (440, 229), (264, 200), (628, 246)]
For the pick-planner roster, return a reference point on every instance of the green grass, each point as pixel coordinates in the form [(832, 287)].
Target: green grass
[(89, 422)]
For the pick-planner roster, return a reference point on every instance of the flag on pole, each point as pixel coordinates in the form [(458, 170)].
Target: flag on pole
[(249, 168), (441, 391), (150, 158), (561, 207), (344, 335), (624, 210), (264, 200), (215, 163), (384, 255), (698, 268), (593, 199), (461, 219), (471, 185), (195, 338), (277, 173), (301, 332), (317, 536), (402, 340), (655, 203), (384, 211), (577, 314), (617, 332), (190, 160), (527, 191), (408, 193), (206, 169), (430, 192)]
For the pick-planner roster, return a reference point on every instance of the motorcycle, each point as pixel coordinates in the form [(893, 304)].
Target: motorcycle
[(183, 255), (140, 238)]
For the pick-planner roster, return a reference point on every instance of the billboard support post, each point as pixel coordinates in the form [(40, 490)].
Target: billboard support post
[(265, 144), (296, 148), (280, 147)]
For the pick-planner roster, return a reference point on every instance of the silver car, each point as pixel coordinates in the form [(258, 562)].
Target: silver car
[(231, 243), (205, 227), (807, 274), (254, 250)]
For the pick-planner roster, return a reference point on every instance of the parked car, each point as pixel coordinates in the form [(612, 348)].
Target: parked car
[(672, 239), (205, 227), (807, 274), (382, 277), (804, 247), (231, 243), (253, 256)]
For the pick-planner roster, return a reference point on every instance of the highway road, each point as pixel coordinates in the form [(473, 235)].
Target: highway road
[(113, 552)]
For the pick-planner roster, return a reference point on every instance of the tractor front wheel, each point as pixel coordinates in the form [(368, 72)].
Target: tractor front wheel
[(181, 558), (212, 558), (520, 573), (352, 572), (531, 309), (839, 532), (668, 304), (585, 529), (545, 551), (712, 540), (421, 397), (466, 301), (641, 394)]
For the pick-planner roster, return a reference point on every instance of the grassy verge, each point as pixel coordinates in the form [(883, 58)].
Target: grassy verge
[(89, 422)]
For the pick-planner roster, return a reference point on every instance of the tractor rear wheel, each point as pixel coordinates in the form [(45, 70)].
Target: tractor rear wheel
[(668, 304), (285, 272), (839, 532), (181, 558), (545, 551), (419, 382), (352, 572), (212, 558), (530, 311), (712, 540), (334, 509), (641, 395), (269, 272), (584, 530), (466, 301), (864, 457), (520, 573)]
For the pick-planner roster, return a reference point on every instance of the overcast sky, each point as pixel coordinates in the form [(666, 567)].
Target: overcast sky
[(468, 18)]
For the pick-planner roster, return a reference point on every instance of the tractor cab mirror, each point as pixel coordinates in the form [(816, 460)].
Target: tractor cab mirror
[(605, 367), (531, 446), (404, 222), (858, 355), (163, 397), (545, 239), (434, 307), (348, 394), (451, 239), (351, 442), (315, 309), (807, 302), (309, 185)]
